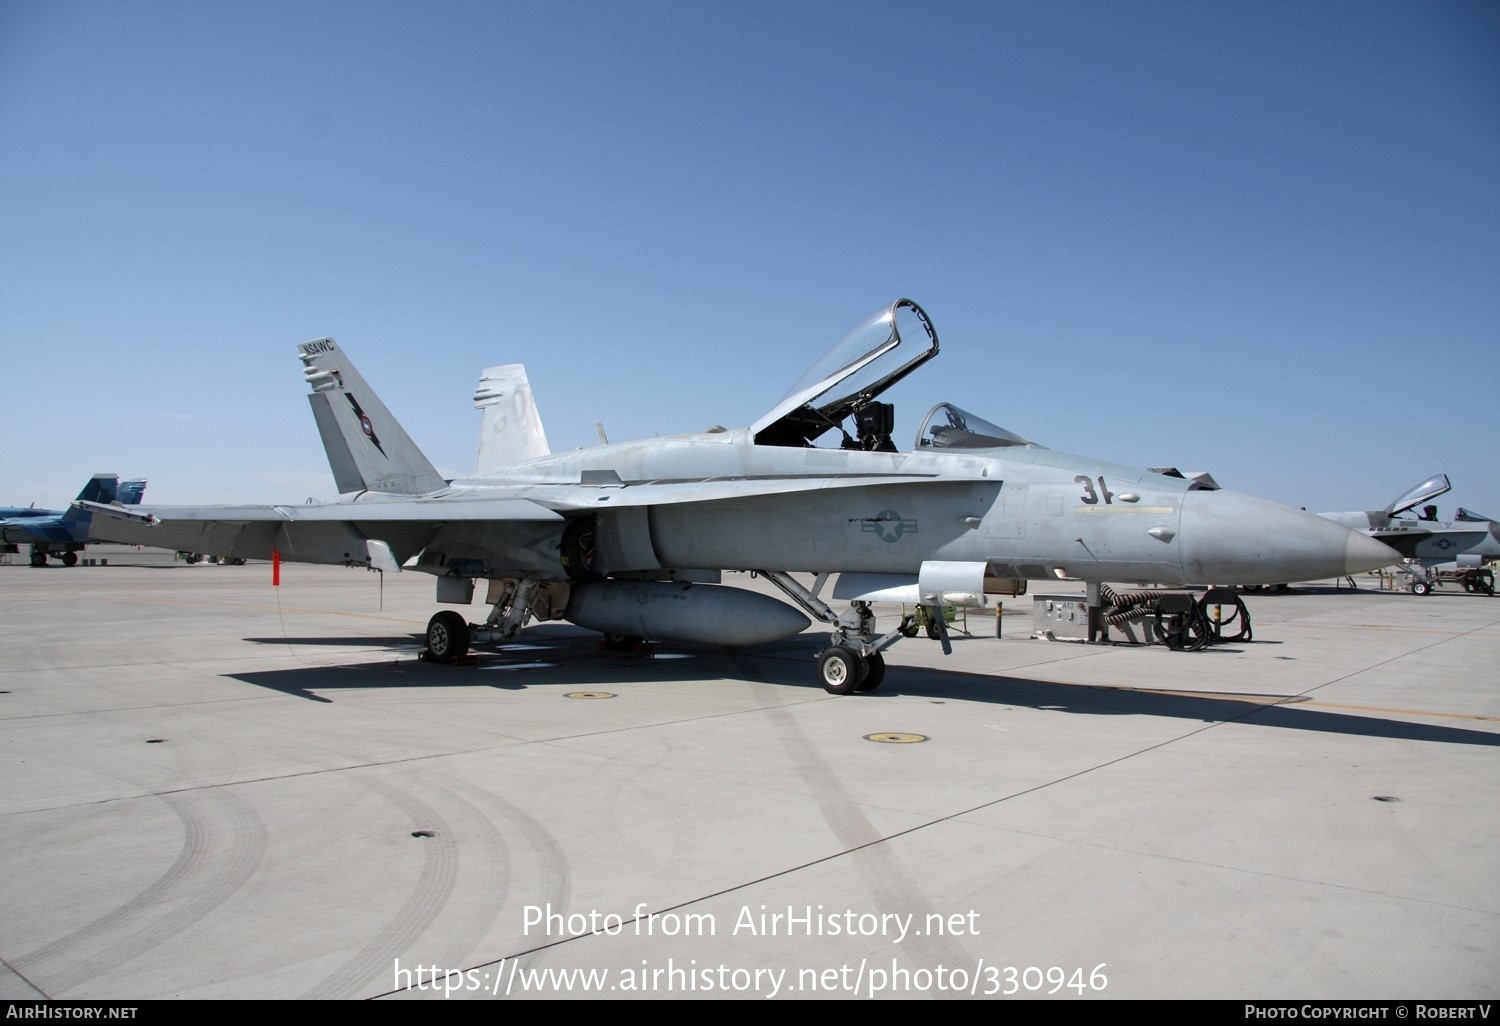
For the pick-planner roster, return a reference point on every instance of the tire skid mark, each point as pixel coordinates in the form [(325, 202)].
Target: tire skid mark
[(620, 773), (214, 820), (479, 835), (551, 876), (891, 884), (419, 911)]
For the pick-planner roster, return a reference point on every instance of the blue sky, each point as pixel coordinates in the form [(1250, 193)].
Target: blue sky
[(1256, 238)]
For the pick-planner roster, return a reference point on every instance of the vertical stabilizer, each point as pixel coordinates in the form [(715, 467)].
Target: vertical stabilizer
[(131, 493), (367, 449), (512, 427), (101, 488)]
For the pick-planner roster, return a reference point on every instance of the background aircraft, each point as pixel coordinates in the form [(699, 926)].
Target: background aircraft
[(62, 533), (630, 538), (1464, 545)]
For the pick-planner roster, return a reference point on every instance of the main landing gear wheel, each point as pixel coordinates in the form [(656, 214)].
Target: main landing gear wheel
[(69, 558), (1421, 588), (447, 637), (874, 672), (840, 670), (38, 559)]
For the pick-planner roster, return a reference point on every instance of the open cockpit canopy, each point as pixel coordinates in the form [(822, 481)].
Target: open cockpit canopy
[(881, 350), (1427, 490)]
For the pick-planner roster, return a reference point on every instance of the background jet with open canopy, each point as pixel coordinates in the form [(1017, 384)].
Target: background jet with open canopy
[(1465, 546)]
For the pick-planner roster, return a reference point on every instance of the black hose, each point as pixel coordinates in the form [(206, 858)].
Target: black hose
[(1221, 598)]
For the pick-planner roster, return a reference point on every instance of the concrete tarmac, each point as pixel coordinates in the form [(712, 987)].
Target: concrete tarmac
[(213, 788)]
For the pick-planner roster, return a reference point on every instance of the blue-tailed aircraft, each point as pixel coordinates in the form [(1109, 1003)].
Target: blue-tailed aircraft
[(630, 539), (62, 533)]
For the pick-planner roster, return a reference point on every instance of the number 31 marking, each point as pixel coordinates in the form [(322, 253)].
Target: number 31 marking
[(1091, 497)]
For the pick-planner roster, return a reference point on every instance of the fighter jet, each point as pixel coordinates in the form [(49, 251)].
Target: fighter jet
[(631, 539), (59, 533), (1423, 540)]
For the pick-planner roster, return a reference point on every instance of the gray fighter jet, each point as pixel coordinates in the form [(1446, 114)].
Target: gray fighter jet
[(631, 539), (1425, 542)]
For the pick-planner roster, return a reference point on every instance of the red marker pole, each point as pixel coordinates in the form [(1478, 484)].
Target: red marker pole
[(275, 568)]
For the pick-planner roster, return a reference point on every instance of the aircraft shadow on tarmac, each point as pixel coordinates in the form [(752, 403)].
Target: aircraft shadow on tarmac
[(558, 656)]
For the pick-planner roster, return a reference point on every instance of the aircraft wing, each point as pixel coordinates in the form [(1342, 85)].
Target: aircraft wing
[(499, 522), (375, 511), (514, 502), (377, 533)]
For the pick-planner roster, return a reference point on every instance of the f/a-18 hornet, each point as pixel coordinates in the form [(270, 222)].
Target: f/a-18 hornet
[(631, 539), (62, 533), (1464, 547)]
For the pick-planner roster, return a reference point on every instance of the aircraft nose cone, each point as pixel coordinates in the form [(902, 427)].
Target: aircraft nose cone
[(1365, 553), (1231, 538)]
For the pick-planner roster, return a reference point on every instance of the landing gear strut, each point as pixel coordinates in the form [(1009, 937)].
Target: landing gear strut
[(513, 603), (853, 662)]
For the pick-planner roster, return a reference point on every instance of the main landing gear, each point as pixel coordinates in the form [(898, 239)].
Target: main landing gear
[(67, 557), (513, 604), (853, 662)]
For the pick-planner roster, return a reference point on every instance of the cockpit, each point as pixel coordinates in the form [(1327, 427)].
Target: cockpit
[(948, 427), (841, 391)]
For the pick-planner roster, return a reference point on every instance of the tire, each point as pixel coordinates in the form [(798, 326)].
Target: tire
[(839, 670), (38, 559), (447, 637), (874, 672), (1421, 588), (69, 558)]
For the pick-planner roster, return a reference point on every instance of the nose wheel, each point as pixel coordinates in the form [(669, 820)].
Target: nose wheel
[(843, 671)]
